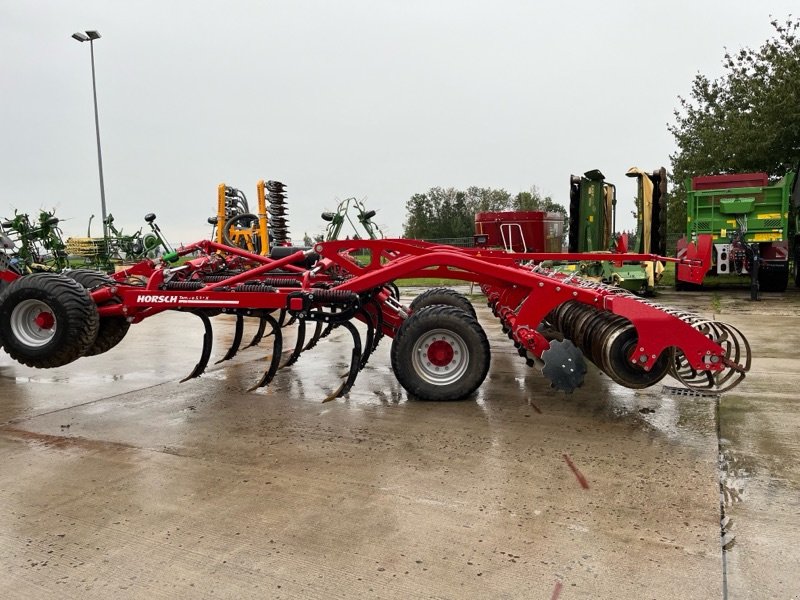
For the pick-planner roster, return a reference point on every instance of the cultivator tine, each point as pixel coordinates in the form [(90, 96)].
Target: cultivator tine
[(298, 345), (314, 337), (291, 320), (330, 326), (277, 348), (237, 339), (370, 338), (282, 317), (262, 327), (205, 355), (378, 324), (355, 360)]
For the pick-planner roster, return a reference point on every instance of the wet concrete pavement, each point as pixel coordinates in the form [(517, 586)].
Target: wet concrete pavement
[(118, 481)]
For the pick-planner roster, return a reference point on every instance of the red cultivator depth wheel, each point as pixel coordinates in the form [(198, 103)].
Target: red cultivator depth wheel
[(47, 320), (440, 353)]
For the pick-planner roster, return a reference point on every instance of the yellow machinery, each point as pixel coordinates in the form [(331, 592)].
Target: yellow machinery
[(236, 226)]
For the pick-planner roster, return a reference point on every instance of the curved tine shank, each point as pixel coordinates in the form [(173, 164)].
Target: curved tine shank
[(314, 336), (378, 325), (205, 355), (282, 317), (291, 320), (370, 337), (277, 348), (237, 339), (330, 326), (298, 345), (355, 358), (262, 327)]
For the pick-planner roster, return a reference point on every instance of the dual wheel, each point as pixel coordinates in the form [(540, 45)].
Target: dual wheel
[(441, 352), (49, 320)]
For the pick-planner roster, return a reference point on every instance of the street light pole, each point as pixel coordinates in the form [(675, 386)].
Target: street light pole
[(91, 36)]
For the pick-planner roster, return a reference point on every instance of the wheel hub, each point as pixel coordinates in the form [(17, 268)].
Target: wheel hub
[(440, 353), (440, 357), (33, 323), (44, 320)]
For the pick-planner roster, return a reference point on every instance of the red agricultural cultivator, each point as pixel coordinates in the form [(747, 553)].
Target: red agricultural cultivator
[(439, 349)]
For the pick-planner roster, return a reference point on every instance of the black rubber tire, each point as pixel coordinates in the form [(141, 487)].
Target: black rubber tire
[(74, 313), (685, 286), (111, 329), (150, 241), (773, 280), (444, 296), (470, 339)]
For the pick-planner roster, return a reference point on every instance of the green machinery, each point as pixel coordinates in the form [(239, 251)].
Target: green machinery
[(747, 221), (363, 218), (105, 253), (592, 228), (33, 245)]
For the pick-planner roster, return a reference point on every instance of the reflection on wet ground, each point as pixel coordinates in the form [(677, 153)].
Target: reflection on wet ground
[(515, 492)]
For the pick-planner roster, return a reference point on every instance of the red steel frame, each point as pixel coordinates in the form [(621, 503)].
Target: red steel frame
[(522, 295)]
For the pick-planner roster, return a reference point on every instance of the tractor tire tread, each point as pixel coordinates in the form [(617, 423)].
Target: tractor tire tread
[(111, 330), (79, 321), (434, 317), (442, 296)]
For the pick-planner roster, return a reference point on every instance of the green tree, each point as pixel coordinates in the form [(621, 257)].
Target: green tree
[(746, 120), (533, 200), (450, 213)]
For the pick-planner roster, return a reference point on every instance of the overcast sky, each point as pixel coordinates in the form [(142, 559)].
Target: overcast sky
[(373, 99)]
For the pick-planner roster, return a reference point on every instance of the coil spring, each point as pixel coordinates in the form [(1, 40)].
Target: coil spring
[(334, 296), (222, 276), (184, 285), (281, 282), (254, 287)]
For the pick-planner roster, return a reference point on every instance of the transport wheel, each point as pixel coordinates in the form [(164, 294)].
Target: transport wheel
[(150, 241), (795, 261), (616, 363), (47, 320), (111, 329), (773, 280), (440, 353), (442, 296)]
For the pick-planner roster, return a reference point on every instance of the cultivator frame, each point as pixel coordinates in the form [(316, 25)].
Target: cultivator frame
[(439, 352)]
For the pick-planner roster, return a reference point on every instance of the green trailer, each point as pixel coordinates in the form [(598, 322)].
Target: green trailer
[(747, 219)]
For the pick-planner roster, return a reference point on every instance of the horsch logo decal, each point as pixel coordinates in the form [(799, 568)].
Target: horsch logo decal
[(156, 299), (179, 299)]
